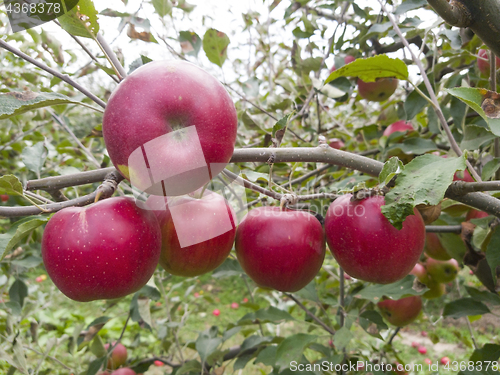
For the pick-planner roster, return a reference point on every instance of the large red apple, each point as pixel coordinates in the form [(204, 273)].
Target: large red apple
[(434, 248), (169, 127), (4, 197), (399, 126), (483, 62), (280, 249), (103, 251), (442, 271), (366, 245), (379, 90), (118, 356), (197, 234), (401, 312)]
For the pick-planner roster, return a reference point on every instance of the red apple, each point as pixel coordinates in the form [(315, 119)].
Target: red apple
[(197, 234), (399, 126), (428, 361), (216, 312), (442, 271), (445, 360), (463, 176), (170, 127), (415, 344), (483, 62), (158, 363), (366, 245), (245, 300), (4, 197), (124, 371), (336, 143), (103, 251), (433, 247), (475, 214), (234, 305), (422, 349), (377, 91), (401, 312), (280, 249), (423, 333), (118, 356)]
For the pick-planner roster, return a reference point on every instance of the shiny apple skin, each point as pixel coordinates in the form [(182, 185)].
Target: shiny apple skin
[(202, 219), (103, 251), (434, 248), (282, 250), (484, 65), (377, 91), (398, 126), (401, 312), (366, 245), (164, 96)]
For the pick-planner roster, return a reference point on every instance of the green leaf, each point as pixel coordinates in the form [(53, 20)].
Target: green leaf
[(163, 7), (415, 103), (342, 338), (371, 68), (268, 315), (206, 345), (473, 97), (18, 292), (96, 365), (10, 184), (81, 20), (248, 121), (137, 63), (28, 262), (490, 168), (415, 145), (34, 157), (369, 318), (190, 42), (230, 267), (489, 352), (483, 295), (280, 125), (493, 252), (267, 356), (391, 167), (189, 367), (464, 307), (291, 348), (395, 290), (309, 292), (16, 102), (215, 46), (97, 347), (423, 181), (20, 357), (17, 232), (475, 136), (101, 321), (409, 5)]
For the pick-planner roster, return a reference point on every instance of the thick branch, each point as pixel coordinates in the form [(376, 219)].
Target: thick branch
[(59, 182), (443, 228), (462, 187), (452, 12), (480, 16)]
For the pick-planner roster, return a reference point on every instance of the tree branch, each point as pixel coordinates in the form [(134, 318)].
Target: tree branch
[(443, 229), (480, 16), (310, 314), (55, 73)]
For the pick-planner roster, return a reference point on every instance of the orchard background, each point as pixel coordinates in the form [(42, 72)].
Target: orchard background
[(275, 60)]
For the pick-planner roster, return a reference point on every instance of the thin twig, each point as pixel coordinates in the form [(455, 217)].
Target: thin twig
[(396, 331), (113, 59), (310, 314), (55, 73), (466, 318)]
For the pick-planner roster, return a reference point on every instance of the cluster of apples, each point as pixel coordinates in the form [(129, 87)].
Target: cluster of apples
[(111, 248)]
